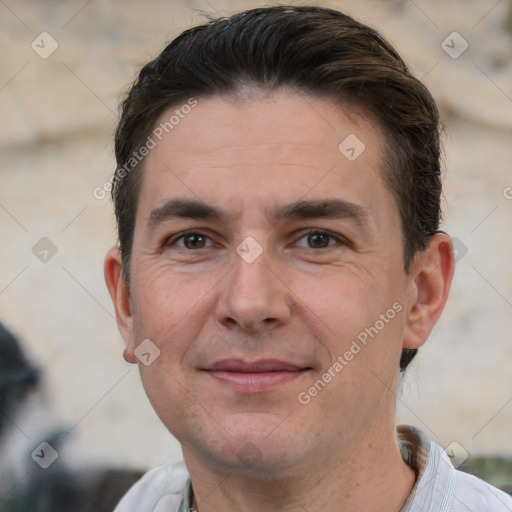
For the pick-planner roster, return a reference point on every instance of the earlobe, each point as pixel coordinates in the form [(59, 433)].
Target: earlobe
[(431, 277), (120, 295)]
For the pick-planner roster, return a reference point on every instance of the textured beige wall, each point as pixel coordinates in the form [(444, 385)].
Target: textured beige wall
[(57, 119)]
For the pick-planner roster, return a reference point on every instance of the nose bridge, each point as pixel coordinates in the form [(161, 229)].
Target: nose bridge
[(251, 279), (253, 295)]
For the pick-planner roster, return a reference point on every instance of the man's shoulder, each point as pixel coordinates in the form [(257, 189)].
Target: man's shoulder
[(440, 486), (160, 489), (470, 491)]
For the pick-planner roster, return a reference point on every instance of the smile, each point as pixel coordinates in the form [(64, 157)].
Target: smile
[(256, 377)]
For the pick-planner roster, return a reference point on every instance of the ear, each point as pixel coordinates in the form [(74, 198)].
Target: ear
[(120, 295), (430, 280)]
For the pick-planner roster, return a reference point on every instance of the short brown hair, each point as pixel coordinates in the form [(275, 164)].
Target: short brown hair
[(315, 51)]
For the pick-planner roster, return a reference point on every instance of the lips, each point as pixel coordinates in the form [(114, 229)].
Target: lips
[(262, 366), (256, 376)]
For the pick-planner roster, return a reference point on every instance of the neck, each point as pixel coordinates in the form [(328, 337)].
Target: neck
[(370, 477)]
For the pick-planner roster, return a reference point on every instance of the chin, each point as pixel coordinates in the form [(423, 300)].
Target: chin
[(256, 448), (259, 461)]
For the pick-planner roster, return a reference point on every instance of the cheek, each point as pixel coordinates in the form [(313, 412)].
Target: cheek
[(163, 312), (360, 320), (361, 376), (167, 392), (341, 301), (165, 300)]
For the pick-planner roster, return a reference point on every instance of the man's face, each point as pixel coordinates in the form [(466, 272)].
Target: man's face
[(243, 335)]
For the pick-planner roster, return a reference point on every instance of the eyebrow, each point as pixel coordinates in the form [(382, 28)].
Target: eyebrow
[(303, 209), (185, 209), (325, 208)]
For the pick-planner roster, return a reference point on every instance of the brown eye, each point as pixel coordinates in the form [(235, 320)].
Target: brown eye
[(194, 241), (318, 240), (191, 240)]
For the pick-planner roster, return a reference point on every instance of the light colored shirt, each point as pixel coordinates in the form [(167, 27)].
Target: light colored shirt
[(439, 486)]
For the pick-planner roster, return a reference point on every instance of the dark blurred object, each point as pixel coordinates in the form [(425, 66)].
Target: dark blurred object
[(61, 491), (57, 488), (17, 376)]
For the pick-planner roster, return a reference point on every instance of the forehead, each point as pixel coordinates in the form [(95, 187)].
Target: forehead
[(255, 144), (278, 121)]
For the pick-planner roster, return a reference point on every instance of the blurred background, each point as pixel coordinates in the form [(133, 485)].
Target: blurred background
[(64, 67)]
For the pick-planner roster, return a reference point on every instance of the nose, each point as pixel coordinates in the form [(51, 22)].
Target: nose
[(253, 295)]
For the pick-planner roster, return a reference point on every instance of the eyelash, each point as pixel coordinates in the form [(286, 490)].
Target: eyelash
[(340, 240)]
